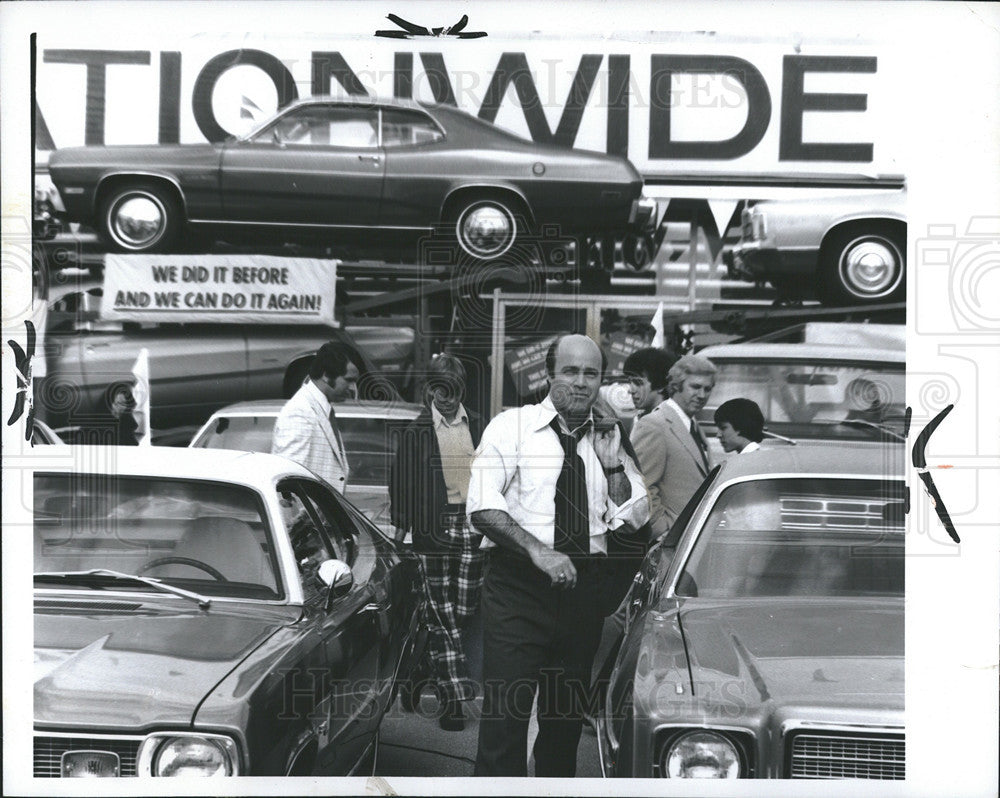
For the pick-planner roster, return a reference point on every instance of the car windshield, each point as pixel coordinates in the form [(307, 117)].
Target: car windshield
[(814, 399), (815, 536), (368, 442), (208, 537)]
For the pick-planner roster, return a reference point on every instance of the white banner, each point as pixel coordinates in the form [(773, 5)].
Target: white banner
[(696, 102), (236, 289)]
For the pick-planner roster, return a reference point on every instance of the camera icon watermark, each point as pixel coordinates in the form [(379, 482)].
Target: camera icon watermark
[(965, 269)]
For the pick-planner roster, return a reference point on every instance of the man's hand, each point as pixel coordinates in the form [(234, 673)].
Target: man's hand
[(607, 447), (555, 564), (499, 527)]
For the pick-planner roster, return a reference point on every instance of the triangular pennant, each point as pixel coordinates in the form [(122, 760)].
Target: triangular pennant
[(722, 212)]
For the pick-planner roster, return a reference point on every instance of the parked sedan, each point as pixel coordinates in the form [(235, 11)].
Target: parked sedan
[(210, 613), (770, 645), (366, 428), (196, 368), (822, 383), (849, 250), (332, 165)]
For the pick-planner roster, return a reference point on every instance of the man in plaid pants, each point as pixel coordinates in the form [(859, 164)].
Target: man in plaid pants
[(428, 483)]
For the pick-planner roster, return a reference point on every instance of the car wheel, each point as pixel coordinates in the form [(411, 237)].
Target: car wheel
[(486, 228), (863, 264), (140, 217)]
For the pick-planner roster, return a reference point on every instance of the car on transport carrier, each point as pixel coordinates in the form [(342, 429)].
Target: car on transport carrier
[(336, 166), (196, 367), (845, 250)]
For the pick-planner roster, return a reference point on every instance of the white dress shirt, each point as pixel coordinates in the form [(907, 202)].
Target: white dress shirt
[(753, 446), (517, 466)]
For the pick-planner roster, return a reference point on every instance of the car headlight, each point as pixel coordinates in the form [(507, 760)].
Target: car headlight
[(700, 755), (188, 755)]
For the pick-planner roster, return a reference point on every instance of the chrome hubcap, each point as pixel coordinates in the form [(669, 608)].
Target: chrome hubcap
[(138, 221), (486, 231), (870, 268)]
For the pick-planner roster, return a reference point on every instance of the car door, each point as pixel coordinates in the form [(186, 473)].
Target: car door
[(317, 164), (352, 632), (397, 579), (418, 168)]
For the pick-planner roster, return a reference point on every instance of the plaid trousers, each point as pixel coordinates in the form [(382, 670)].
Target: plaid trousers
[(453, 584)]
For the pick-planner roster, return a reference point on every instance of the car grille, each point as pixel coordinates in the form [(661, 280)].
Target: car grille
[(842, 755), (49, 751)]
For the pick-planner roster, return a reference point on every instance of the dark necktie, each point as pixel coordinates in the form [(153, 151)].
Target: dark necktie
[(336, 433), (698, 439), (572, 532)]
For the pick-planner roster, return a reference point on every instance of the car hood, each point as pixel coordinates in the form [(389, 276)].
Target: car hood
[(133, 663), (836, 652)]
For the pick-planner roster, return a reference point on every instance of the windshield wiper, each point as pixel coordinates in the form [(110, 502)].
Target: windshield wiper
[(860, 422), (95, 574), (776, 436)]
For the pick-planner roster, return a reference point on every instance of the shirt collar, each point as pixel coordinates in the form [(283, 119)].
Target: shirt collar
[(440, 421), (547, 411), (317, 396), (753, 446), (677, 409)]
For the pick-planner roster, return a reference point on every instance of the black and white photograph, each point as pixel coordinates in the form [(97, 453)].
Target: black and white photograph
[(501, 398)]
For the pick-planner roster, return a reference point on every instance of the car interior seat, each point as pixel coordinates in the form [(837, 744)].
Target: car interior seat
[(227, 544)]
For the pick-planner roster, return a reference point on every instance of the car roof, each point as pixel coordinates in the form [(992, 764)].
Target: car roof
[(808, 352), (358, 99), (368, 408), (805, 460), (253, 469)]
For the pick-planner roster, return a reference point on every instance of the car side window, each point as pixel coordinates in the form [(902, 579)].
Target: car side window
[(348, 535), (324, 126), (403, 128), (309, 544)]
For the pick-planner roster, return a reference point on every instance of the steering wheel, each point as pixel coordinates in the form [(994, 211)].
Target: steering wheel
[(201, 566)]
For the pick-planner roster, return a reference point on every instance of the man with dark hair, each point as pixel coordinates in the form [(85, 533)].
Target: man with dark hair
[(549, 483), (741, 425), (306, 428), (428, 484), (646, 372)]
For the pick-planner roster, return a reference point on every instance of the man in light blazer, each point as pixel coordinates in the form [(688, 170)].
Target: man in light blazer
[(670, 445), (306, 430)]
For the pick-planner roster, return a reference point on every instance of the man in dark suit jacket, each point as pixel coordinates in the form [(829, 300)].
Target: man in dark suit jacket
[(428, 484), (672, 451)]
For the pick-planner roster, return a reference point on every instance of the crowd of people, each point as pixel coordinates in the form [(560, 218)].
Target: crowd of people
[(538, 520)]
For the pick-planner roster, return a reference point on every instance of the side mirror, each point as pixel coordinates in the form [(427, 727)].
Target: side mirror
[(337, 577)]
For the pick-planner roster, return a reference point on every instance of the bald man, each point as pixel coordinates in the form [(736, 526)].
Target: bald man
[(549, 482)]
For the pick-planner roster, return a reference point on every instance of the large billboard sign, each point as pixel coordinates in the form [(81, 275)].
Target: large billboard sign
[(684, 103)]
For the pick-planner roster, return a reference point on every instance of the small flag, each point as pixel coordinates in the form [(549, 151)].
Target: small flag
[(657, 322), (140, 370)]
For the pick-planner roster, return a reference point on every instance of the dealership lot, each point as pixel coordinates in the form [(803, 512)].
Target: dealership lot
[(198, 276)]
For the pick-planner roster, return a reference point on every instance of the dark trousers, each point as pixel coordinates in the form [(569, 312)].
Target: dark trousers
[(536, 638)]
